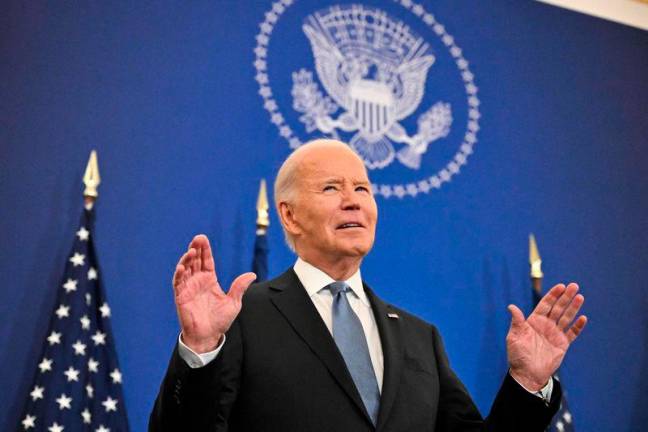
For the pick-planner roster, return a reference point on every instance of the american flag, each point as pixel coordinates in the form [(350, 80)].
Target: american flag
[(78, 383), (562, 421)]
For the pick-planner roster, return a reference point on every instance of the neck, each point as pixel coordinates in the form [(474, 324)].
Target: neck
[(339, 268)]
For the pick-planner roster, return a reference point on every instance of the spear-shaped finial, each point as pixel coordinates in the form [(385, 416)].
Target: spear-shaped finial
[(91, 179), (263, 218), (534, 258), (536, 264)]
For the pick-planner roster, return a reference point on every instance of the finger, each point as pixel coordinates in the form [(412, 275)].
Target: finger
[(576, 329), (194, 262), (206, 255), (571, 312), (563, 302), (517, 317), (177, 277), (240, 285), (182, 271), (546, 303), (187, 260), (198, 261), (184, 277), (199, 241), (205, 260)]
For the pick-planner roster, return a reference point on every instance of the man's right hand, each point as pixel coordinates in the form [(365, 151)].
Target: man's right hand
[(204, 310)]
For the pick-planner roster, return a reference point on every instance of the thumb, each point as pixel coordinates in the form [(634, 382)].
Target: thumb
[(517, 317), (240, 285)]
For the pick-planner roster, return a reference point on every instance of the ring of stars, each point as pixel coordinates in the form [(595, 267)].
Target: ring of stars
[(412, 189)]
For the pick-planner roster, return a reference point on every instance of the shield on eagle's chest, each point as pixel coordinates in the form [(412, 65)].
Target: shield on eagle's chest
[(371, 106)]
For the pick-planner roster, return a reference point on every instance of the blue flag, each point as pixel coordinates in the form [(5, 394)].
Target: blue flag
[(562, 421), (260, 258), (78, 383)]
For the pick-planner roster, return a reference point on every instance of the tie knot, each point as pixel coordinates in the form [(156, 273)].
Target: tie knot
[(338, 287)]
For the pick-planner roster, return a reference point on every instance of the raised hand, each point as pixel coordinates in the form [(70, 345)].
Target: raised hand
[(204, 310), (536, 346)]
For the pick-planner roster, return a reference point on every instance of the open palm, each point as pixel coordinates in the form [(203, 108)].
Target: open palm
[(205, 311), (537, 345)]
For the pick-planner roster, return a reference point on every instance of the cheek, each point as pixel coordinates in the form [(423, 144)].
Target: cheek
[(373, 212), (320, 225)]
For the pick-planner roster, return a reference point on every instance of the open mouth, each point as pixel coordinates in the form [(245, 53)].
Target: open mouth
[(348, 225)]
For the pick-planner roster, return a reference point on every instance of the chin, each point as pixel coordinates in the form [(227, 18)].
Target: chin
[(355, 250)]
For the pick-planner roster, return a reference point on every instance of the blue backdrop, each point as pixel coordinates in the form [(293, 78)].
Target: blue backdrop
[(171, 95)]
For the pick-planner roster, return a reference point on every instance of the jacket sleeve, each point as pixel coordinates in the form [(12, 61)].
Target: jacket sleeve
[(514, 408), (201, 398)]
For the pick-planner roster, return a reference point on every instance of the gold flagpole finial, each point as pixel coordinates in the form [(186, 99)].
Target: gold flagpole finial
[(263, 218), (534, 259), (91, 179)]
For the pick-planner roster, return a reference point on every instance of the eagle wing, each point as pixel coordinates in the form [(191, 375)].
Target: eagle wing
[(327, 63), (412, 75)]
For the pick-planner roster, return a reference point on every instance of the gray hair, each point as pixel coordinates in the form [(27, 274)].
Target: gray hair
[(285, 191)]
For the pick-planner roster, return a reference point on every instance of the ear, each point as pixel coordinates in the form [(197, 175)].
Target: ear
[(288, 218)]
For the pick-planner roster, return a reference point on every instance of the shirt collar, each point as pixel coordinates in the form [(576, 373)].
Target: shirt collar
[(315, 279)]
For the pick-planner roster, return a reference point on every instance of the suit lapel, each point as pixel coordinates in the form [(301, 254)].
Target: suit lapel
[(293, 303), (392, 347)]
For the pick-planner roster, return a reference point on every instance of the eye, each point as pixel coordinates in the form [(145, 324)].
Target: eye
[(362, 188), (329, 188)]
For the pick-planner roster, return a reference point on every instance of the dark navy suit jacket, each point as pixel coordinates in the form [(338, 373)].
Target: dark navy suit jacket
[(280, 370)]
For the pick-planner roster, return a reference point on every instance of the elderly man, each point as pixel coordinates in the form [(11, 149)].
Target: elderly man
[(316, 350)]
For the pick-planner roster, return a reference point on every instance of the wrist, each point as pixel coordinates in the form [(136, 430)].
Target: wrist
[(201, 346), (531, 384)]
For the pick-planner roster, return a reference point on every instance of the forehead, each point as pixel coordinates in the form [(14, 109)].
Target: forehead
[(323, 163)]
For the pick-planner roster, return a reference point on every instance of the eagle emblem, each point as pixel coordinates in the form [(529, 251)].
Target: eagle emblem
[(373, 69)]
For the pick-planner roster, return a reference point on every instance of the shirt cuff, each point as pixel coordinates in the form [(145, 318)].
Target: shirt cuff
[(195, 360), (544, 393)]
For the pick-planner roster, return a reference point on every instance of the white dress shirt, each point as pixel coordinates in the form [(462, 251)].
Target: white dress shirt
[(314, 281)]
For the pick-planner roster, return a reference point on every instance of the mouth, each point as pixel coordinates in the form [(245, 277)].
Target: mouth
[(349, 225)]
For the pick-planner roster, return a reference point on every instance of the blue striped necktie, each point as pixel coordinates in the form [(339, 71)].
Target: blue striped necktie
[(350, 339)]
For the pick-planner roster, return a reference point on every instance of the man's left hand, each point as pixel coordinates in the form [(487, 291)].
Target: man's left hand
[(537, 345)]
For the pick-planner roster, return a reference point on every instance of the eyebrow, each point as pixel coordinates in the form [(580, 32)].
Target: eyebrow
[(338, 180)]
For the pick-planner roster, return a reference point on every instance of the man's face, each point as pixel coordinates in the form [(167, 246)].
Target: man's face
[(334, 211)]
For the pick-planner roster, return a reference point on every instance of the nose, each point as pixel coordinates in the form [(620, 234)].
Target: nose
[(350, 199)]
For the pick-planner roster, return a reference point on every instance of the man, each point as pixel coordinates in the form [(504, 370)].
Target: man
[(316, 350)]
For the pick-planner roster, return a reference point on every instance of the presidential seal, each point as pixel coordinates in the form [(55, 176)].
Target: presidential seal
[(391, 83)]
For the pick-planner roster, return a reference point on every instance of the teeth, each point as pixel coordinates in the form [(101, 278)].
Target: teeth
[(350, 225)]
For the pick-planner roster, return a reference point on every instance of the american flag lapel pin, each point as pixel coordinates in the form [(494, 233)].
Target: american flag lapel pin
[(393, 315)]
